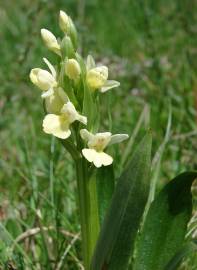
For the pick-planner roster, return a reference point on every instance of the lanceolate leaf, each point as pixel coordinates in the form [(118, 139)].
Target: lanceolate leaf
[(105, 189), (117, 236), (166, 224)]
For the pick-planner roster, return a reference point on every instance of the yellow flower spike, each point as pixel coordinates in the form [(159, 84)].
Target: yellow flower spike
[(72, 69), (59, 125), (97, 143), (50, 41)]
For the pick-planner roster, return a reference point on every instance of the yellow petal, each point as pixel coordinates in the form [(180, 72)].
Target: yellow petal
[(106, 159), (109, 84), (53, 124), (98, 158), (89, 154), (117, 138), (97, 77), (82, 119), (102, 158)]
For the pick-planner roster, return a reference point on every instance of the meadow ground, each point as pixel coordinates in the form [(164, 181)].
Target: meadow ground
[(150, 47)]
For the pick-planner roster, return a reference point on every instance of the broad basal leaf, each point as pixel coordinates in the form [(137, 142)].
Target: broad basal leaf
[(117, 236), (166, 224), (105, 189)]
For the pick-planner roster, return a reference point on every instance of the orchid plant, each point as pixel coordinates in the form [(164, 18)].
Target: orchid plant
[(111, 218)]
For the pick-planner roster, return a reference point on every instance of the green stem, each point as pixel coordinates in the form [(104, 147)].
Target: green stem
[(88, 207)]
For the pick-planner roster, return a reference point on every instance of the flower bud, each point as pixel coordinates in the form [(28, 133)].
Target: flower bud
[(64, 22), (67, 49), (72, 69), (67, 26), (42, 79), (50, 41), (97, 77)]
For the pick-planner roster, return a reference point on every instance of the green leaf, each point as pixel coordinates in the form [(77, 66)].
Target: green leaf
[(117, 236), (105, 189), (165, 226), (183, 252)]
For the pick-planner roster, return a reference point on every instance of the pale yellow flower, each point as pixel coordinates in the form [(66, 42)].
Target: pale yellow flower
[(97, 143), (50, 41), (54, 96), (44, 79), (59, 125), (72, 69), (97, 77)]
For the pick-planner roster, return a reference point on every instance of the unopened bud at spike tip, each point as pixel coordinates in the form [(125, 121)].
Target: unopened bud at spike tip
[(67, 26), (64, 22)]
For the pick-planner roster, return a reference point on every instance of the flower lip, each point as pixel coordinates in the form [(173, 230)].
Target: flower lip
[(98, 158), (54, 124)]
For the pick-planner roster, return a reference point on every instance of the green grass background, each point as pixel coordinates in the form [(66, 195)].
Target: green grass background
[(150, 47)]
